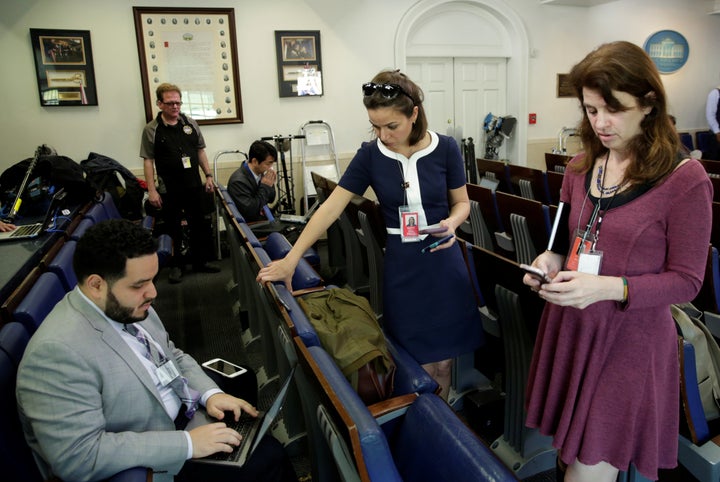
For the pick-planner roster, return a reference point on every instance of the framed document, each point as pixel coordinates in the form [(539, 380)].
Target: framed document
[(195, 49), (64, 67)]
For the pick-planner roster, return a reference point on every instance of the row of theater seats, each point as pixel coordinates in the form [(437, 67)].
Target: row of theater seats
[(516, 227), (24, 311), (414, 435)]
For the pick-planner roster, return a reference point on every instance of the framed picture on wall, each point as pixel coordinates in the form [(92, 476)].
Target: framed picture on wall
[(564, 89), (64, 67), (195, 49), (299, 63)]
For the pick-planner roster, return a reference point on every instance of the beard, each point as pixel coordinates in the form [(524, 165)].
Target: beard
[(122, 314)]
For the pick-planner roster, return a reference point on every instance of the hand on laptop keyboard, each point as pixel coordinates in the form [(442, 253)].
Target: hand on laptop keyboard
[(213, 438)]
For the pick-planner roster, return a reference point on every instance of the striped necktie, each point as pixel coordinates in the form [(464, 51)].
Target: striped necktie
[(179, 384)]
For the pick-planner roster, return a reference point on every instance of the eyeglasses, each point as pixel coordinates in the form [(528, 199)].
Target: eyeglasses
[(389, 91), (172, 104)]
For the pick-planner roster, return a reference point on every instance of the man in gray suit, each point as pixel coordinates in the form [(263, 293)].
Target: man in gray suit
[(93, 403)]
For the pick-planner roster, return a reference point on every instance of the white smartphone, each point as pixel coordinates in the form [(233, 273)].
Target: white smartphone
[(224, 367), (536, 273)]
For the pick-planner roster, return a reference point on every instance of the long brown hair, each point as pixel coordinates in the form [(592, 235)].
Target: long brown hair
[(401, 103), (625, 67)]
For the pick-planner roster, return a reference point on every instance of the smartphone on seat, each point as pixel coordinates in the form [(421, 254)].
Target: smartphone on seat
[(224, 367)]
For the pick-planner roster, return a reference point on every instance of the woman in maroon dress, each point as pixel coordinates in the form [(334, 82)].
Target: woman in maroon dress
[(604, 375)]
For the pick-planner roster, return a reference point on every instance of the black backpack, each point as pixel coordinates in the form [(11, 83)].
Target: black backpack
[(107, 174), (51, 172)]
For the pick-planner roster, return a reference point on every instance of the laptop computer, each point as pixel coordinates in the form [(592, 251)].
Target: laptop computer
[(33, 230), (489, 183), (252, 429), (296, 218)]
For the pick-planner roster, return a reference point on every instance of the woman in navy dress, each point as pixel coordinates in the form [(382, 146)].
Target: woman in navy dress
[(419, 179)]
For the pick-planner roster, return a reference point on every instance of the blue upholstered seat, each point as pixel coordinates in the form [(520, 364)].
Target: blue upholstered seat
[(97, 213), (425, 442), (81, 228), (277, 246), (698, 451), (62, 265), (39, 301)]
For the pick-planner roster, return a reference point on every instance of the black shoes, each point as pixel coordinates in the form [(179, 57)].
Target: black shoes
[(207, 268)]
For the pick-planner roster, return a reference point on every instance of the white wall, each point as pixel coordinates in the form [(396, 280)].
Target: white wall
[(357, 38)]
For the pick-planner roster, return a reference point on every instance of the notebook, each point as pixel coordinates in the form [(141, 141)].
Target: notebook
[(27, 231), (252, 429)]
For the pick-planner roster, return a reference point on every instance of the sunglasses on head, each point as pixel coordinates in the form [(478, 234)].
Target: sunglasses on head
[(389, 91)]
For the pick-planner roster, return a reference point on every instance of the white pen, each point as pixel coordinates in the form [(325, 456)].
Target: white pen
[(556, 223)]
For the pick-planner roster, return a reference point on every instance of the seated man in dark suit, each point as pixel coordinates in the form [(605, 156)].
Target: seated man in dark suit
[(101, 387), (252, 185)]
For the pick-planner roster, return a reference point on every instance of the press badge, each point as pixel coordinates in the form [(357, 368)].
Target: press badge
[(186, 162), (409, 225), (582, 256), (167, 372)]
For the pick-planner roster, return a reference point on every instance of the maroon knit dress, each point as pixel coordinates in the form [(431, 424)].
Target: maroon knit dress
[(604, 381)]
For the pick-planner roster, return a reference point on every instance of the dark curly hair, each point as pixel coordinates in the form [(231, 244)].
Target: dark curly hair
[(105, 248)]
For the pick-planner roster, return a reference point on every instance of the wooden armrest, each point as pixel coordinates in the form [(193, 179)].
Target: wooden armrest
[(305, 291), (384, 407)]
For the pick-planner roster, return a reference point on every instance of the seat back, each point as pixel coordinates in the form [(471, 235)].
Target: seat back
[(554, 183), (708, 298), (487, 204), (704, 141), (556, 162), (109, 205), (97, 213), (15, 455), (497, 170), (81, 227), (528, 182), (698, 450), (687, 140), (518, 310), (39, 301), (376, 260), (533, 232), (355, 439), (62, 265), (431, 443)]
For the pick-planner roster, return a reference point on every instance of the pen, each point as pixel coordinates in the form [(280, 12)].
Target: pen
[(437, 243)]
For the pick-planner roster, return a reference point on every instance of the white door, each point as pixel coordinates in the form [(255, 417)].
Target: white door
[(460, 92)]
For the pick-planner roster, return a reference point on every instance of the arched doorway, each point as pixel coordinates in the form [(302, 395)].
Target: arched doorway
[(484, 32)]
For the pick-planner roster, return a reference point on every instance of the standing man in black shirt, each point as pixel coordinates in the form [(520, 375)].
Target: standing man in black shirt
[(173, 144)]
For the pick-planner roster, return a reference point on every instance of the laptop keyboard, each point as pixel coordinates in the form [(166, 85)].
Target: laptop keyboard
[(26, 230), (243, 427)]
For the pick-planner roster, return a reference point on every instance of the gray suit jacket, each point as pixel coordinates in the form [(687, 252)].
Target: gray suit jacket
[(88, 406)]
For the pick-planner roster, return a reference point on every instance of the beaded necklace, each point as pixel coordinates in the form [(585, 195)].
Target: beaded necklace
[(600, 180)]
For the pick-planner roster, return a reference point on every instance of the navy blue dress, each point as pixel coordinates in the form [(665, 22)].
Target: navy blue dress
[(429, 306)]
